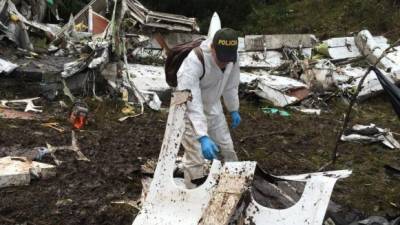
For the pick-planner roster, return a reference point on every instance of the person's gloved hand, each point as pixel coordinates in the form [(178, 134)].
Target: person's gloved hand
[(208, 147), (235, 119)]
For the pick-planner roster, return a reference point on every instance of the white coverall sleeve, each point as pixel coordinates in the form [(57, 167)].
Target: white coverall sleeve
[(231, 91), (188, 77)]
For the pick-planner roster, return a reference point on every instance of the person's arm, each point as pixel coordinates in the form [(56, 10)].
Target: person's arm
[(231, 91), (188, 77)]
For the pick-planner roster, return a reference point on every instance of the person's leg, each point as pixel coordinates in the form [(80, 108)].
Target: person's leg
[(194, 165), (219, 132)]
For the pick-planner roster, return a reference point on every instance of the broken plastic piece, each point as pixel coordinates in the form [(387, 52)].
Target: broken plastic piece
[(370, 134), (6, 66), (275, 111), (18, 171), (29, 104)]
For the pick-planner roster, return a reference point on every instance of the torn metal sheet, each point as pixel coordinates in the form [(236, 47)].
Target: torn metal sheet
[(309, 210), (278, 41), (152, 19), (372, 50), (12, 9), (168, 203), (30, 106), (97, 24), (148, 78), (345, 47), (241, 44), (14, 28), (149, 97), (281, 91), (370, 134), (321, 74), (77, 66), (267, 59), (18, 171), (99, 7), (101, 60), (308, 111), (146, 53), (172, 39), (327, 76), (7, 67), (348, 78)]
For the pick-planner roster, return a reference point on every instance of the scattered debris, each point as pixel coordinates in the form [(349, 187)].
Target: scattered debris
[(278, 41), (6, 67), (281, 91), (55, 126), (73, 147), (18, 171), (391, 90), (374, 220), (30, 106), (310, 208), (131, 203), (392, 171), (275, 111), (370, 48), (267, 60), (168, 203), (308, 111), (103, 44), (79, 114), (370, 134), (345, 47)]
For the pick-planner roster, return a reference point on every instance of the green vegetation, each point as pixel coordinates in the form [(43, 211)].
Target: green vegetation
[(325, 18)]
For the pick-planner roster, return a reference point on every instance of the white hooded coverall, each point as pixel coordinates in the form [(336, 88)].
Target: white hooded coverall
[(205, 116)]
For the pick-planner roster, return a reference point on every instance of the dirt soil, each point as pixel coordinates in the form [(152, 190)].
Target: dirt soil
[(83, 192)]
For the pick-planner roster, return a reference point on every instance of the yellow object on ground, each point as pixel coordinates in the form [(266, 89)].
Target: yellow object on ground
[(81, 27), (128, 110), (14, 18)]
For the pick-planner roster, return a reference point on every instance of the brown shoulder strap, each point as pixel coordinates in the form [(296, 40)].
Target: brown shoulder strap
[(199, 54)]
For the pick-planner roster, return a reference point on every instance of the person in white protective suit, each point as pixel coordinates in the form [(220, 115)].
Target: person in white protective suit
[(207, 133)]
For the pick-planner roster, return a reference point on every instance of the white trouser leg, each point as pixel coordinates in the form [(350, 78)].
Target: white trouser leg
[(218, 131), (194, 165)]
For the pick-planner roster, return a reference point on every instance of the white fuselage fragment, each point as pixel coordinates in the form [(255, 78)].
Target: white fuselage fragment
[(309, 210)]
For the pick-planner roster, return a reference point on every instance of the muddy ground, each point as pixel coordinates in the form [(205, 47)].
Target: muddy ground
[(82, 192)]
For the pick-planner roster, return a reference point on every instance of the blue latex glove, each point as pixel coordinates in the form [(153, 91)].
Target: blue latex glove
[(235, 119), (208, 147)]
